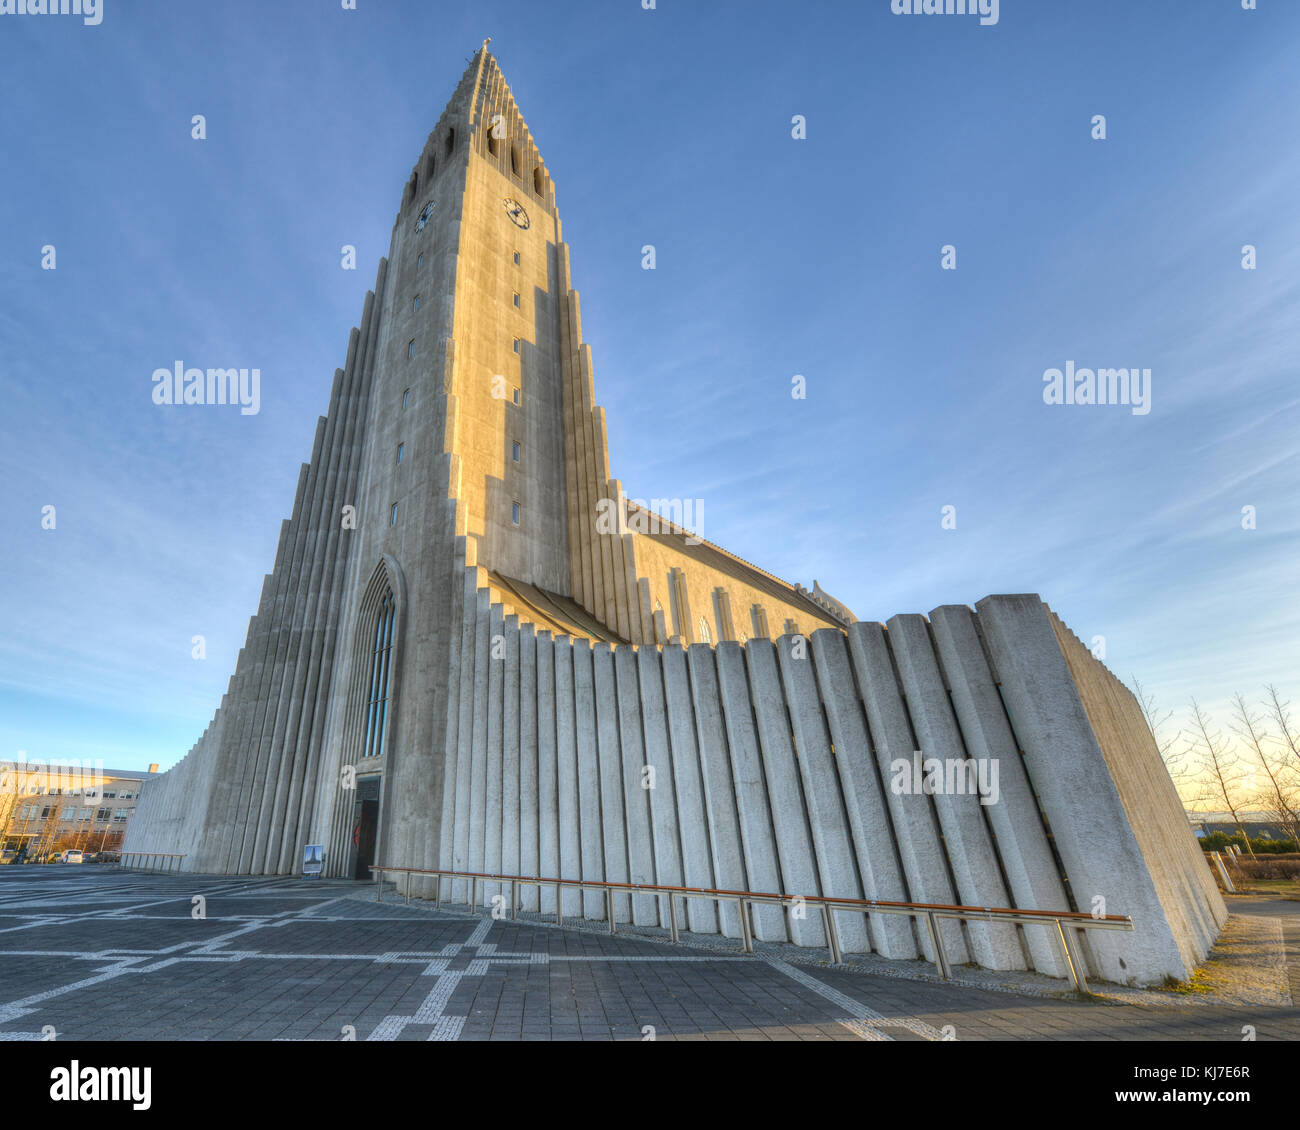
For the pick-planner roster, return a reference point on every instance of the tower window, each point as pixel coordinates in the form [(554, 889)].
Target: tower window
[(516, 258), (514, 452), (429, 168), (410, 348), (494, 146), (401, 450), (419, 259), (451, 140), (514, 513), (516, 396), (516, 345), (539, 181), (516, 300), (514, 159), (415, 302), (392, 515), (406, 398)]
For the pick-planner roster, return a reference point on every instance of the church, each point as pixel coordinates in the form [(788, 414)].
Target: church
[(459, 662)]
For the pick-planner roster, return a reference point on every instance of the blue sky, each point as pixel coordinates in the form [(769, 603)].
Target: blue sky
[(818, 257)]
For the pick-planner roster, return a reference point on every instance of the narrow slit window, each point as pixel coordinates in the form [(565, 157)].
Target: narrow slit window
[(392, 515), (514, 452), (516, 345), (415, 302), (410, 348), (516, 396), (419, 259), (516, 299), (514, 513), (516, 258), (406, 398), (401, 450)]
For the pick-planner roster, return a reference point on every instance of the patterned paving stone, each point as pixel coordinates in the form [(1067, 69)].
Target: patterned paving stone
[(117, 956)]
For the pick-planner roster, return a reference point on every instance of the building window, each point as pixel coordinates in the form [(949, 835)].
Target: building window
[(514, 159), (516, 345), (419, 260), (514, 452), (392, 515), (516, 258), (516, 396), (516, 300), (429, 168), (451, 140), (539, 181), (415, 302), (410, 348), (406, 397), (514, 513), (380, 657), (401, 449)]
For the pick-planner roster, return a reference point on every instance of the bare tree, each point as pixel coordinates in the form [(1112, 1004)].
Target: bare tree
[(1220, 767), (1175, 761), (1280, 711), (1274, 797)]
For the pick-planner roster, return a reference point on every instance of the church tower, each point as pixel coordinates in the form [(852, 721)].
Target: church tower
[(474, 654)]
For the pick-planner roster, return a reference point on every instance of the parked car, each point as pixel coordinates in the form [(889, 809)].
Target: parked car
[(51, 857), (107, 857), (8, 855), (73, 855)]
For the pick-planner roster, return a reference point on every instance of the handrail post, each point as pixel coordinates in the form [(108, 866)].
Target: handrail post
[(832, 938), (672, 914), (473, 894), (514, 899), (379, 884), (1072, 962), (746, 926), (559, 902), (936, 941), (609, 909), (437, 892)]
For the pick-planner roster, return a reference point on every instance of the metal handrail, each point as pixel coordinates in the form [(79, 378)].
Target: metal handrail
[(1053, 920), (149, 857)]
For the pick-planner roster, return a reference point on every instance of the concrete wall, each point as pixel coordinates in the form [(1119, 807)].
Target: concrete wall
[(773, 767)]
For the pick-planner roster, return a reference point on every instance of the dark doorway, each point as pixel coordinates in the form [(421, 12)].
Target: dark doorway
[(365, 825)]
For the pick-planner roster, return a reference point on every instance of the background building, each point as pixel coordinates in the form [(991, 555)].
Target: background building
[(48, 810)]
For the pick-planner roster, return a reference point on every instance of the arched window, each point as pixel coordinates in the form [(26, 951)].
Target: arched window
[(539, 181), (381, 651), (514, 159), (429, 168), (494, 143), (451, 141), (705, 635)]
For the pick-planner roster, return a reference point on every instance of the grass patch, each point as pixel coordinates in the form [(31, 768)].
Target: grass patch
[(1196, 983)]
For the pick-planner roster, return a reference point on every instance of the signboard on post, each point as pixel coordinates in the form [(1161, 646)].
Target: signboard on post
[(313, 861)]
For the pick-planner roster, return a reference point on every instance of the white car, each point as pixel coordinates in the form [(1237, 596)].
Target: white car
[(73, 856)]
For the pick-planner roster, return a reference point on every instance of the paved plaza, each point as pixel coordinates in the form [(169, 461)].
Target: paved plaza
[(98, 954)]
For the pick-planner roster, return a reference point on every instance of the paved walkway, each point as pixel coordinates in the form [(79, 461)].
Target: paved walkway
[(106, 955)]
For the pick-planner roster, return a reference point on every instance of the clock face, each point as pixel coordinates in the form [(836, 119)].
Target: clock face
[(516, 212), (424, 216)]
